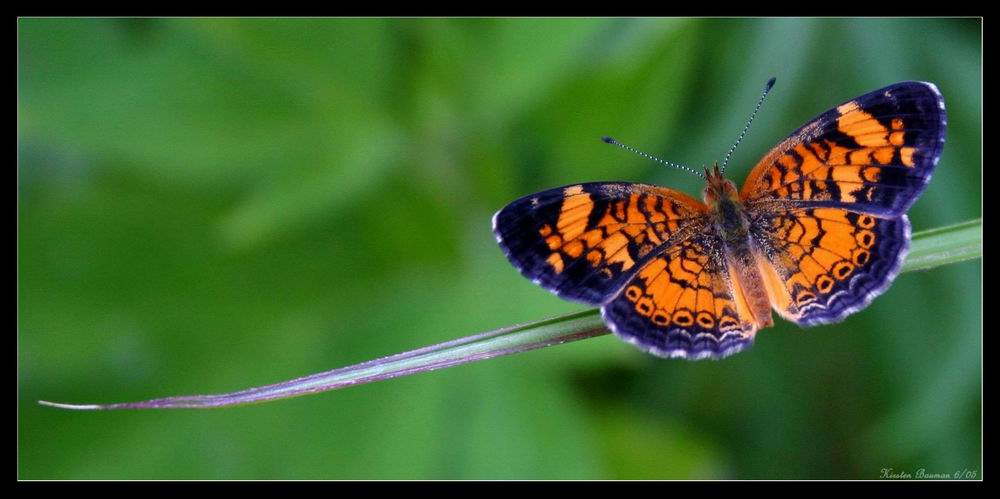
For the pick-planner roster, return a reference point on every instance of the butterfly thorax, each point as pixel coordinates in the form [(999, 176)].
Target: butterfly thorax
[(732, 228)]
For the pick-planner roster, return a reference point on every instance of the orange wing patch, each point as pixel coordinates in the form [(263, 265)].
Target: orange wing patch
[(877, 141)]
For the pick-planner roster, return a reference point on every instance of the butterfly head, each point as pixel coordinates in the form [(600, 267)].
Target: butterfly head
[(718, 187)]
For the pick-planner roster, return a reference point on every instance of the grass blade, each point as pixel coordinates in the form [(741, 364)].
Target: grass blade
[(929, 249), (944, 245)]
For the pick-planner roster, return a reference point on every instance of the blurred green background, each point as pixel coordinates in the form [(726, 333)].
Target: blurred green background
[(209, 205)]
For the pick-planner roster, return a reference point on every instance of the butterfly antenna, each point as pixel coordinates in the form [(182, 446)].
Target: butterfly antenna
[(767, 88), (614, 142)]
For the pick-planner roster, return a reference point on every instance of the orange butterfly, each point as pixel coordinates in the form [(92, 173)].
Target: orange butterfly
[(817, 231)]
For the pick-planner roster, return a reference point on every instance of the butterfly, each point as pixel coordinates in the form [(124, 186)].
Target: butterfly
[(818, 230)]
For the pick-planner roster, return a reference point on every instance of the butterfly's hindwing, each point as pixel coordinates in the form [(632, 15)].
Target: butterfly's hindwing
[(681, 304), (831, 262)]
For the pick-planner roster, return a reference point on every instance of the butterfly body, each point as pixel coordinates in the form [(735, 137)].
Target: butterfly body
[(732, 224), (815, 233)]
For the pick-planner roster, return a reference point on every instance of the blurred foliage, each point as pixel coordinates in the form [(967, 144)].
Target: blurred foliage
[(208, 205)]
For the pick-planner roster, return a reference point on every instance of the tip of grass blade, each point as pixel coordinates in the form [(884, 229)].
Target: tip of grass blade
[(74, 407)]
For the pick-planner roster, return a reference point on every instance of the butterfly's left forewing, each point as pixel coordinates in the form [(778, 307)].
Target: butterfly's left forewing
[(585, 241)]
